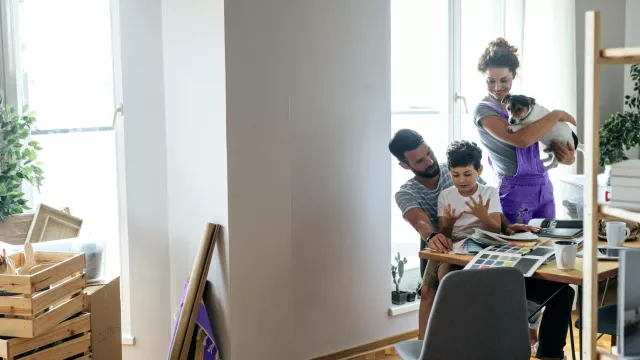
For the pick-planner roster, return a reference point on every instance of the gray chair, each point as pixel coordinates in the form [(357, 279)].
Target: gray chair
[(477, 314)]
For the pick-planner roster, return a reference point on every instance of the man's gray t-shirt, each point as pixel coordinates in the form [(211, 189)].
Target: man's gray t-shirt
[(413, 194), (503, 156)]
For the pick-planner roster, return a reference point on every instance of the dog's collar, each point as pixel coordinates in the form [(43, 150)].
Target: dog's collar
[(528, 113)]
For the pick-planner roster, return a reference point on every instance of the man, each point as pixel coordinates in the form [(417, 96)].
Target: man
[(418, 201)]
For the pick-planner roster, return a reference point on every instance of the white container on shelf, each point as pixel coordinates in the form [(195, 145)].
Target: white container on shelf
[(569, 192)]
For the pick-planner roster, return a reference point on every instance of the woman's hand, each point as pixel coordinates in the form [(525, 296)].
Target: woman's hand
[(564, 155), (479, 209), (516, 228), (450, 216)]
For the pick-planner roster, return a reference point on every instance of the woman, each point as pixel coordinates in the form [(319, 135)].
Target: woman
[(524, 186)]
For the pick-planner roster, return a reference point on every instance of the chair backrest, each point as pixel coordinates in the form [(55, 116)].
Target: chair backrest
[(479, 314)]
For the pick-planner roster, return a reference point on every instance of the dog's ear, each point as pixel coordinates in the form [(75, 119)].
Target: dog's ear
[(532, 101), (506, 99)]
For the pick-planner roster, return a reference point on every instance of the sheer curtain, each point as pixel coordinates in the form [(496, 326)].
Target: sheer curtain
[(545, 33)]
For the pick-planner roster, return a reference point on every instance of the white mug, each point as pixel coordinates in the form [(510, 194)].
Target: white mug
[(617, 233), (566, 251)]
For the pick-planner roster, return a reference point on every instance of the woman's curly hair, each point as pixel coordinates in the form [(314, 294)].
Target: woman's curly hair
[(499, 53)]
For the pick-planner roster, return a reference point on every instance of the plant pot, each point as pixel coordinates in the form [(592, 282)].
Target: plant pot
[(398, 298), (411, 297)]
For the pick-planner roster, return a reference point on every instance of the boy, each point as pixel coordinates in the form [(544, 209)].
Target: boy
[(464, 206)]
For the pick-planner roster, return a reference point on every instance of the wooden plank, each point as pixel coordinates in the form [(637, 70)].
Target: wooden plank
[(70, 287), (15, 305), (592, 166), (620, 56), (16, 283), (211, 234), (61, 331), (193, 294), (371, 347), (55, 316), (64, 350), (58, 272), (16, 327), (620, 213)]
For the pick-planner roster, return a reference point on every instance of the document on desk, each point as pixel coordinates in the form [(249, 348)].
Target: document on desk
[(466, 247), (525, 257)]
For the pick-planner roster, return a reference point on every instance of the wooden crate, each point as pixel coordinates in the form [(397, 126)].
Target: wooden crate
[(33, 304), (74, 334)]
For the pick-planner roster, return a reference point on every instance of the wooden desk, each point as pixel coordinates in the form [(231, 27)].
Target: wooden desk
[(606, 268)]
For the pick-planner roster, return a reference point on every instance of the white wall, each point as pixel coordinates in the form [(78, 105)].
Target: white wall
[(194, 85), (341, 179), (632, 38), (612, 27), (259, 175), (145, 152)]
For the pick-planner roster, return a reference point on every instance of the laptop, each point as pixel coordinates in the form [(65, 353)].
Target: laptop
[(560, 233)]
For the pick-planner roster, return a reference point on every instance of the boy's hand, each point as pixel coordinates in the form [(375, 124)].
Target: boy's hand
[(450, 217), (478, 209)]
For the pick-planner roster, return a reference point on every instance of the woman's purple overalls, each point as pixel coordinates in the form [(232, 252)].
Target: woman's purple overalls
[(529, 193)]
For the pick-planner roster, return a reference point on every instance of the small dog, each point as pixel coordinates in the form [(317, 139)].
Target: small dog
[(524, 111)]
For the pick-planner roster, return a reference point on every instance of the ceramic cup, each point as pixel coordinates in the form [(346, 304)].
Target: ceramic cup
[(617, 233), (566, 251)]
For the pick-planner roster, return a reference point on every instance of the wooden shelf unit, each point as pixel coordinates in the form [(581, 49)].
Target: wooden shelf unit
[(594, 57)]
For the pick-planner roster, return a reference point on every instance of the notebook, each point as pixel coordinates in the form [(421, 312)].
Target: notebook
[(558, 229)]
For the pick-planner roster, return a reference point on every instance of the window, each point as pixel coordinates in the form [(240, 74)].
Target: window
[(420, 90), (57, 57), (66, 76), (435, 85)]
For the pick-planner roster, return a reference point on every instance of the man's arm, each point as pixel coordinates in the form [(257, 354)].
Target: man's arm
[(420, 221)]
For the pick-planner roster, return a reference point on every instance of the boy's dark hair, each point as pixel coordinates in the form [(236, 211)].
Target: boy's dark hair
[(404, 140), (463, 153)]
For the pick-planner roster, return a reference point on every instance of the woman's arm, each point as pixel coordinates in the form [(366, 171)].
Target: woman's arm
[(527, 136)]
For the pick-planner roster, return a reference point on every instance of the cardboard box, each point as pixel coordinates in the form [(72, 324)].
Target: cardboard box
[(103, 302)]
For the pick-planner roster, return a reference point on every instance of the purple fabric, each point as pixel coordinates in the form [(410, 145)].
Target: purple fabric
[(529, 193), (202, 321)]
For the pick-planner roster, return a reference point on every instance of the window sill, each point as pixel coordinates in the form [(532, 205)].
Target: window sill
[(396, 310), (128, 340)]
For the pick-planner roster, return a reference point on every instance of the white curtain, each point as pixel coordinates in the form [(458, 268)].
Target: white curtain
[(545, 33)]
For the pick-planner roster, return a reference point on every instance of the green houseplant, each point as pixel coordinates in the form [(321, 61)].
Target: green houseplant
[(18, 159), (622, 131), (397, 272)]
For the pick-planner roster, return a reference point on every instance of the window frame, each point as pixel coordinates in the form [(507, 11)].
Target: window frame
[(11, 86)]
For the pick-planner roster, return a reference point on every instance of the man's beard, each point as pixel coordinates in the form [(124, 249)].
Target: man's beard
[(429, 173)]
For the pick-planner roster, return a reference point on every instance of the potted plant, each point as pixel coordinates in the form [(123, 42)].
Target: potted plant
[(398, 297), (411, 296), (18, 159), (621, 132)]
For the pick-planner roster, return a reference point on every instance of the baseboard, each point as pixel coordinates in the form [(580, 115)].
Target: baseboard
[(370, 347)]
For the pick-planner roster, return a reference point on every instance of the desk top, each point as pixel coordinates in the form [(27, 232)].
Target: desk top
[(606, 268)]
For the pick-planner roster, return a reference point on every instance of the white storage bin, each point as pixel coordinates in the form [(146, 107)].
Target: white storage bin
[(569, 192)]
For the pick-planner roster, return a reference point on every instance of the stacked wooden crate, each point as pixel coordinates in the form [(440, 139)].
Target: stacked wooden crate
[(41, 314)]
